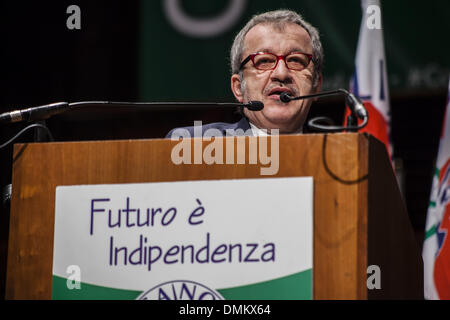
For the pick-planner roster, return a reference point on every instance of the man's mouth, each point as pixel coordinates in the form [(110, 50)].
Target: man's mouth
[(275, 92)]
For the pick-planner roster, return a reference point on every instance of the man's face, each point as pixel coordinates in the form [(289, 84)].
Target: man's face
[(267, 85)]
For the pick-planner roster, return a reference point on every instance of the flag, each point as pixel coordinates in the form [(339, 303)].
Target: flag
[(436, 246), (369, 81)]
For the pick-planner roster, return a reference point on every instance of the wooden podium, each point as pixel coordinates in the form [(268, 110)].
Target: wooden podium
[(359, 217)]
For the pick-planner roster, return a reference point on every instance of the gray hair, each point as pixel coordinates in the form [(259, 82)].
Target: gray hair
[(278, 18)]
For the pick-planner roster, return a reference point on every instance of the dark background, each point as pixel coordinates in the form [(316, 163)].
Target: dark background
[(41, 62)]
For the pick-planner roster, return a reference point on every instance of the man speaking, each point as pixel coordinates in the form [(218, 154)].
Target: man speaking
[(275, 52)]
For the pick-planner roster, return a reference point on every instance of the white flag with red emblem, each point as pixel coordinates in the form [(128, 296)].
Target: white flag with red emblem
[(369, 81), (436, 246)]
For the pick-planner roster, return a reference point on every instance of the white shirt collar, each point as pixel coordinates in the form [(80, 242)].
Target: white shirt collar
[(263, 132)]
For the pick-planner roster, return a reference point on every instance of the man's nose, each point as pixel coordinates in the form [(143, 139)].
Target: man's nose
[(281, 72)]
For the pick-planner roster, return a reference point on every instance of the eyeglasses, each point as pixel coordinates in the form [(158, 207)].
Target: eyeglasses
[(269, 61)]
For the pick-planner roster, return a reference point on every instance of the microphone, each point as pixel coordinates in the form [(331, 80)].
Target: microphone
[(46, 111), (254, 105), (356, 107), (286, 97), (35, 113)]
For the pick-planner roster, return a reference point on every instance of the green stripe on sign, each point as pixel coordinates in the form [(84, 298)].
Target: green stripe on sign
[(294, 287), (436, 172), (89, 292), (432, 204), (430, 232)]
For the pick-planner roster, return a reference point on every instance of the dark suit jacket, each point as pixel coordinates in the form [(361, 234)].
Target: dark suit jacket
[(242, 124)]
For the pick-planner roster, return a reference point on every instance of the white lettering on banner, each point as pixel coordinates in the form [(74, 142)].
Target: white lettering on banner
[(203, 28)]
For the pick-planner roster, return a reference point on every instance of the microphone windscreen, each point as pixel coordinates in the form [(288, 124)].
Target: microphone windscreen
[(285, 97), (255, 105)]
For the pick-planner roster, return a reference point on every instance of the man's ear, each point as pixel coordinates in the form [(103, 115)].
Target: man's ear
[(236, 87)]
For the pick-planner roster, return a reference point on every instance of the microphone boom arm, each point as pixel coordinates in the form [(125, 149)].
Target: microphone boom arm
[(46, 111)]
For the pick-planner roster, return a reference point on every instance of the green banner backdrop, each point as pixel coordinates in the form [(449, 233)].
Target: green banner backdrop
[(184, 45)]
